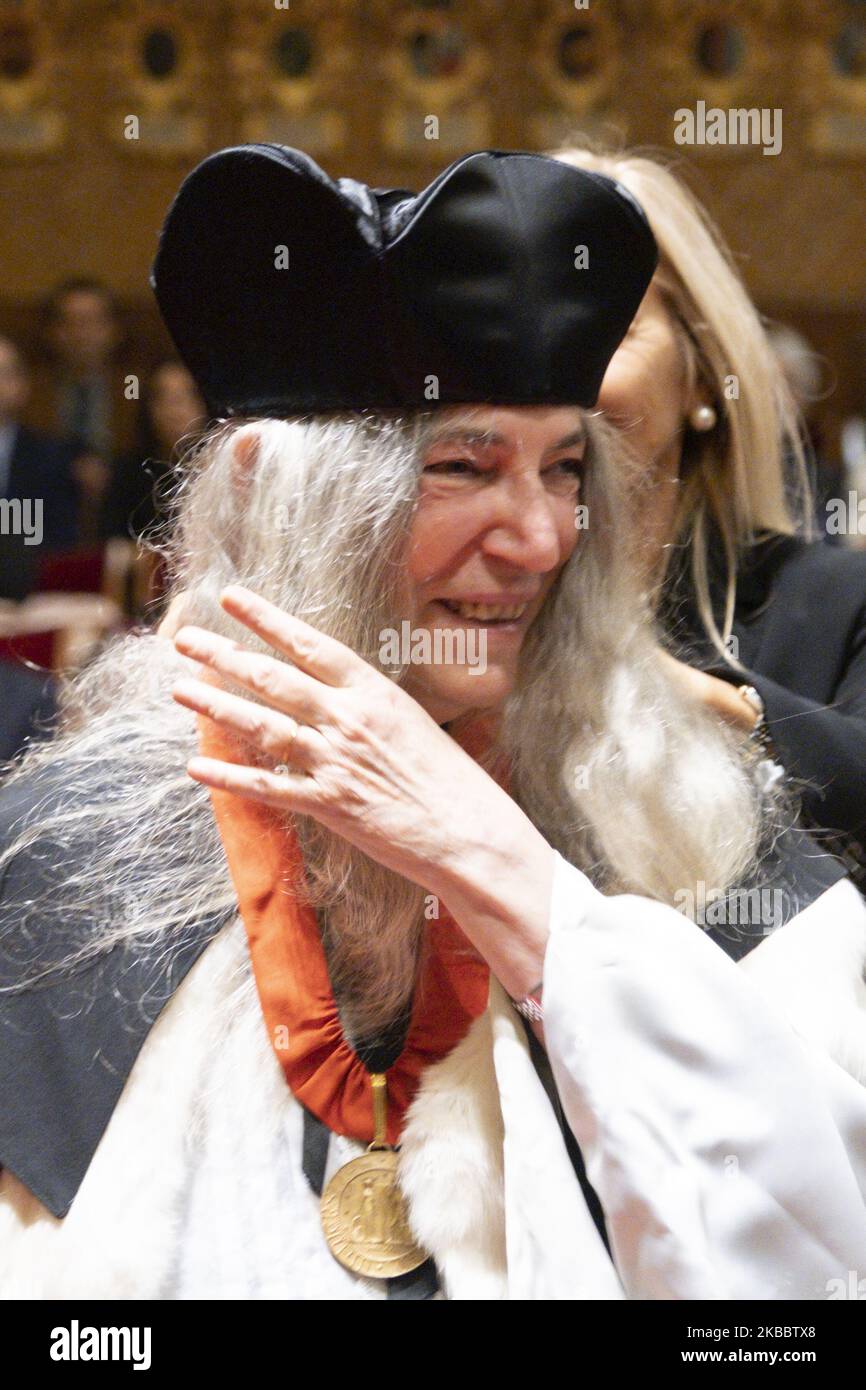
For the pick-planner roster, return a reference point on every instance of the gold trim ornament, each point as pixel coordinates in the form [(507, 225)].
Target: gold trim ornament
[(156, 65), (581, 75), (364, 1213), (736, 33), (832, 98), (434, 64), (290, 67), (34, 82)]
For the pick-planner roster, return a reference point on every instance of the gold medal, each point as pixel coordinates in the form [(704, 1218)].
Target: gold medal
[(364, 1218), (364, 1215)]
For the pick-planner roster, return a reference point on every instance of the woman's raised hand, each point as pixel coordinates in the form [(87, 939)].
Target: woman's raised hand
[(359, 754)]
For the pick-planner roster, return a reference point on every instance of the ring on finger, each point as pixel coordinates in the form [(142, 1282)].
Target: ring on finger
[(287, 751)]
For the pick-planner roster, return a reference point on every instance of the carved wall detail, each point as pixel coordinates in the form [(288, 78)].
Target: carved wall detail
[(289, 67), (33, 116), (833, 77), (435, 60), (156, 67), (105, 104)]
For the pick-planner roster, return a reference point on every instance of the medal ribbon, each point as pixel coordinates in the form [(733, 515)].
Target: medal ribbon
[(324, 1073)]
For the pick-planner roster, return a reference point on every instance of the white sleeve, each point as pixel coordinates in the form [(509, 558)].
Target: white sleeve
[(728, 1152)]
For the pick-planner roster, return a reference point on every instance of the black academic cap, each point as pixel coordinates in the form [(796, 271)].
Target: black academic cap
[(511, 279)]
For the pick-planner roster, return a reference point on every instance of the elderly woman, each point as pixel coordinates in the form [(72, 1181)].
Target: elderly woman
[(247, 1050), (723, 514)]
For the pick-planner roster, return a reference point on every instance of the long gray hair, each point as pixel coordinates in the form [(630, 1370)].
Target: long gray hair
[(636, 785)]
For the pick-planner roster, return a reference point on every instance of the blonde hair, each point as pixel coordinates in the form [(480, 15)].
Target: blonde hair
[(749, 474)]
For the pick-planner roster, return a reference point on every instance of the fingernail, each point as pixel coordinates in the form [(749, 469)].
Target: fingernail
[(237, 594), (192, 639), (185, 690)]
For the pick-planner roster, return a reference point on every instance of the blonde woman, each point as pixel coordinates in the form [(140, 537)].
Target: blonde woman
[(722, 514)]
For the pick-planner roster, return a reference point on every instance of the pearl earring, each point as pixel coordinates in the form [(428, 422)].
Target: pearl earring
[(703, 418)]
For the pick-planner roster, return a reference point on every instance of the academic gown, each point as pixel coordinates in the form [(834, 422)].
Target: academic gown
[(713, 1081)]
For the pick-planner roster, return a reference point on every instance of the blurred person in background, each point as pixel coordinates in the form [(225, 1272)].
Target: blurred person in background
[(802, 369), (172, 412), (853, 486), (34, 468), (80, 388), (766, 624)]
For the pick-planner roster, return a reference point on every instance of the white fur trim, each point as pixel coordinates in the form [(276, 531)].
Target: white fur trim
[(451, 1168)]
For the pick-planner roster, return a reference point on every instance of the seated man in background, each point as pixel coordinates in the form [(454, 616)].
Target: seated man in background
[(81, 388)]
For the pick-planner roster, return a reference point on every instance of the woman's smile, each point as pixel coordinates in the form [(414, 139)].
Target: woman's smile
[(503, 616)]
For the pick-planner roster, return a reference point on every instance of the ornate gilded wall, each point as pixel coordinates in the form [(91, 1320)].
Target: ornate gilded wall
[(104, 105)]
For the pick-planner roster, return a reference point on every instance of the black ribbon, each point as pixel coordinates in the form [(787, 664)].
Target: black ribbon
[(541, 1061), (377, 1055)]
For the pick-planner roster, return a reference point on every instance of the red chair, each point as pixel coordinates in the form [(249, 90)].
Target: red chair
[(36, 648), (71, 572)]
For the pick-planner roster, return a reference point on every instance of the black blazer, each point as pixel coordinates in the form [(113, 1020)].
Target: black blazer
[(800, 624)]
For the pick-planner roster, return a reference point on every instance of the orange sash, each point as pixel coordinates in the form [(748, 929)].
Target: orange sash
[(291, 972)]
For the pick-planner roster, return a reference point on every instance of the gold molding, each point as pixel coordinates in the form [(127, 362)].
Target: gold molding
[(33, 123), (258, 83), (821, 83), (584, 96), (674, 41), (833, 105), (463, 110), (170, 110), (441, 92)]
